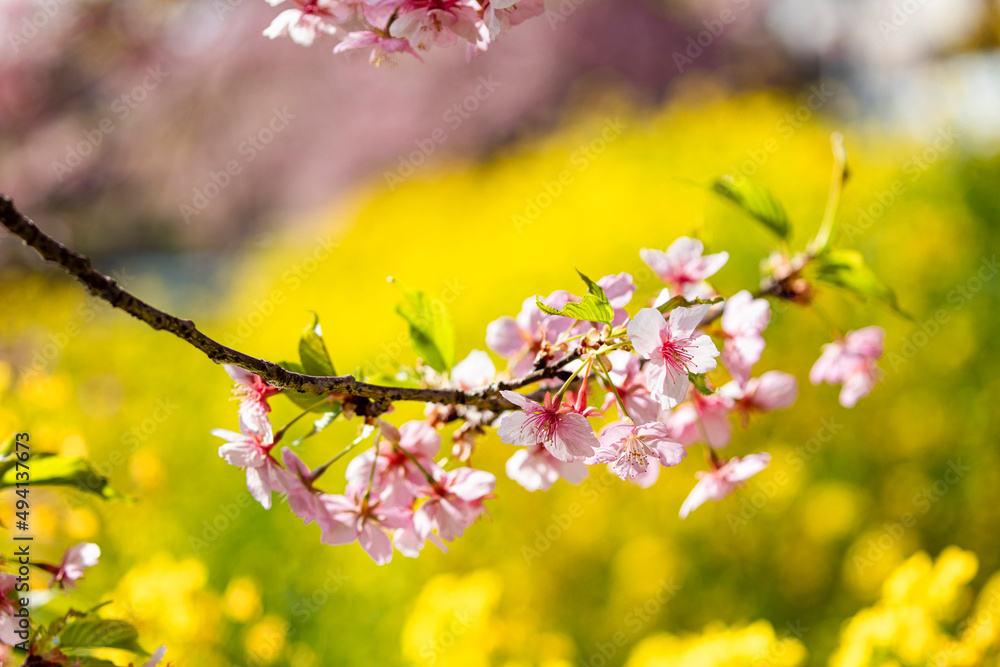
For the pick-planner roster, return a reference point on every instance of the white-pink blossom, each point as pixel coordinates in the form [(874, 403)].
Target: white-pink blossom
[(426, 23), (74, 563), (702, 419), (536, 469), (683, 266), (384, 49), (674, 349), (475, 371), (454, 502), (400, 456), (253, 393), (251, 450), (719, 483), (851, 361), (303, 498), (774, 390), (358, 516), (743, 321), (631, 448), (619, 289), (630, 381), (520, 339), (566, 434), (307, 21)]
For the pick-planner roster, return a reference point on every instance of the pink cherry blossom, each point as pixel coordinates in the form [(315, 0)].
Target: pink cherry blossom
[(305, 22), (251, 450), (397, 475), (358, 516), (702, 419), (719, 483), (384, 49), (436, 22), (536, 469), (566, 434), (453, 502), (253, 393), (475, 371), (303, 499), (683, 266), (673, 348), (630, 448), (500, 15), (619, 289), (522, 338), (851, 361), (9, 624), (743, 321), (630, 381), (74, 562), (773, 390)]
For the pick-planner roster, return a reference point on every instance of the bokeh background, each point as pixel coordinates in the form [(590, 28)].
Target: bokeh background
[(347, 193)]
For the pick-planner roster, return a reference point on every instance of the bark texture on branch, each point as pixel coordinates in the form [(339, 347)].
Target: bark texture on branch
[(377, 397)]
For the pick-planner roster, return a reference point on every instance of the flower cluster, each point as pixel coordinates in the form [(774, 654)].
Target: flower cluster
[(646, 375), (396, 494), (390, 27)]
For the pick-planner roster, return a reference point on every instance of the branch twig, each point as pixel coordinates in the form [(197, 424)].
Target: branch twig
[(378, 397)]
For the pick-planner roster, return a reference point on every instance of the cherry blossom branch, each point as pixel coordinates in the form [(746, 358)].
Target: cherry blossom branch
[(375, 399)]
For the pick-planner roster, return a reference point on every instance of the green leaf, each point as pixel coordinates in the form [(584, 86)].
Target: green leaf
[(594, 307), (312, 351), (848, 269), (432, 332), (304, 399), (100, 633), (700, 383), (320, 424), (51, 470), (756, 201), (680, 302)]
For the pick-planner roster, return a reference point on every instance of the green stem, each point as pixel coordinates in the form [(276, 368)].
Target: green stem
[(322, 469), (562, 389), (281, 433), (603, 371), (833, 201)]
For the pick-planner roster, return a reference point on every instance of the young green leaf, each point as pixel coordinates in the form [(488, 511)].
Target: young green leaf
[(73, 471), (680, 302), (847, 269), (100, 633), (700, 383), (312, 350), (594, 307), (432, 332), (756, 201)]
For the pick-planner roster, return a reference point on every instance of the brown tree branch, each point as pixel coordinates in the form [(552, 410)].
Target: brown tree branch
[(377, 397)]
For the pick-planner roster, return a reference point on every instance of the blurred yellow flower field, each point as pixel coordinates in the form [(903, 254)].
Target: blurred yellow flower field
[(839, 553)]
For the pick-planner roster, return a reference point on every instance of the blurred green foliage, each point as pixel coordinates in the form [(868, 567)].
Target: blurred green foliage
[(552, 578)]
